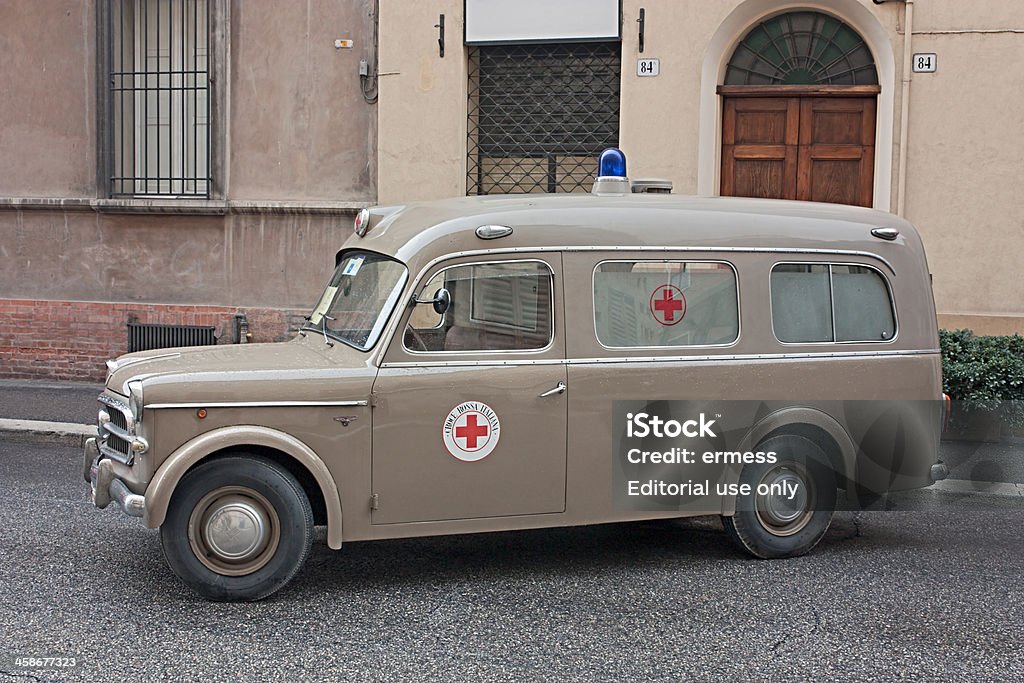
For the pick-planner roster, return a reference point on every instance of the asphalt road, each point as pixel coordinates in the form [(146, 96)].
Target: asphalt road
[(886, 596)]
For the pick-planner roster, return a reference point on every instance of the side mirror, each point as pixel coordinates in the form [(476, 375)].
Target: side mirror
[(441, 302)]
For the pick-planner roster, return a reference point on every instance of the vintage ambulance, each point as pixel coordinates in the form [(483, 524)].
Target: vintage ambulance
[(514, 362)]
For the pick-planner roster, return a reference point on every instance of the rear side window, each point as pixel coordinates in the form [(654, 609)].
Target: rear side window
[(665, 303), (820, 302)]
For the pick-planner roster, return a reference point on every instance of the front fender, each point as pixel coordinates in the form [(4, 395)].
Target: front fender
[(166, 478)]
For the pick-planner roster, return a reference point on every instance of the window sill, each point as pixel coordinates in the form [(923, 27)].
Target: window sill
[(189, 207)]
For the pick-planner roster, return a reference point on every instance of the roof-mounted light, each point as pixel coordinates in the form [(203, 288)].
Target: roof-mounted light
[(611, 163), (362, 222), (611, 173)]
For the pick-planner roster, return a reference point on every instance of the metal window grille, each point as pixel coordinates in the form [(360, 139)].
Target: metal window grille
[(540, 114), (159, 84)]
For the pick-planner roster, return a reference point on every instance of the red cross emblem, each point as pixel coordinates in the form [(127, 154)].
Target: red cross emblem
[(668, 305), (470, 431)]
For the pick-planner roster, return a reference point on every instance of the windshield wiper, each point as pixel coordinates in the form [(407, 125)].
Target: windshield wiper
[(323, 328)]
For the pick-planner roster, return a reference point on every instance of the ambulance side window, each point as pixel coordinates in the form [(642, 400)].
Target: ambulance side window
[(656, 304), (821, 302), (501, 306)]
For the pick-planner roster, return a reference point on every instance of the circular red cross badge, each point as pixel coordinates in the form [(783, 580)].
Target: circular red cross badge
[(471, 431), (668, 305)]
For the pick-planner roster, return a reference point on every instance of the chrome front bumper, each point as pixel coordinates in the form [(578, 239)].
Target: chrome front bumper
[(106, 487)]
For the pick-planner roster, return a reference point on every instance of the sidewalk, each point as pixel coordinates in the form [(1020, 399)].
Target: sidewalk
[(62, 414)]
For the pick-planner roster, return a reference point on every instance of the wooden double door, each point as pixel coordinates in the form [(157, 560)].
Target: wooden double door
[(799, 146)]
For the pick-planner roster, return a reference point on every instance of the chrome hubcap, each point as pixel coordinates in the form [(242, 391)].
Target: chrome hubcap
[(234, 531), (784, 501)]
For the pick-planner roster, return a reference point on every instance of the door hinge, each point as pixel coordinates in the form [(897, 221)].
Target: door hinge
[(374, 501)]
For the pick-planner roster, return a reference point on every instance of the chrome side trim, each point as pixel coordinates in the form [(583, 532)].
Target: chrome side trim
[(703, 249), (257, 404), (672, 359), (389, 332)]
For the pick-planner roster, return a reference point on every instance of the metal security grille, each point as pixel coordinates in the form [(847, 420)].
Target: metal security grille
[(540, 114), (145, 336), (159, 97)]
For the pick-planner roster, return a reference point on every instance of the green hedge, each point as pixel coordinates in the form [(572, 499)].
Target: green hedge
[(984, 373)]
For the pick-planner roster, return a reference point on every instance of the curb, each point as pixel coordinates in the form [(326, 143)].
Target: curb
[(975, 488), (53, 433)]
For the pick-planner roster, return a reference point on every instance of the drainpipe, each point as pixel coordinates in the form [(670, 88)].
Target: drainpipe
[(908, 57)]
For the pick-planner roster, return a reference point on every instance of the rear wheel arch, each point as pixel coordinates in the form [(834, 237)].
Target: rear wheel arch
[(788, 503), (812, 424)]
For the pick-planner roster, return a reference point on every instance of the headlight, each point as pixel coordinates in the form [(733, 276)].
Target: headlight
[(135, 403)]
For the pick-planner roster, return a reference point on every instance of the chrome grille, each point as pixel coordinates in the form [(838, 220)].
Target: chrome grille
[(118, 419), (120, 445), (114, 435)]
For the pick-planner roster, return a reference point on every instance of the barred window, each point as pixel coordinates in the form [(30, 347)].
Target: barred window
[(540, 114), (159, 102)]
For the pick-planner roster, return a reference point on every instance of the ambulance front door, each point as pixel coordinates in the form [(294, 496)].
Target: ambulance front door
[(469, 416)]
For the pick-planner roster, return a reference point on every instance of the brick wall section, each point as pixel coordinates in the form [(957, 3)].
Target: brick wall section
[(71, 340)]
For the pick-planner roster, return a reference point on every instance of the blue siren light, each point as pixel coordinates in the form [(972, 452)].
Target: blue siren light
[(611, 163)]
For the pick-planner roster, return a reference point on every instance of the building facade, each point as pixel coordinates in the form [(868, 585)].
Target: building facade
[(174, 162), (807, 99), (197, 162)]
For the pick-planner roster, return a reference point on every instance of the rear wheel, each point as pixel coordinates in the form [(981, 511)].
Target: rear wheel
[(238, 528), (791, 501)]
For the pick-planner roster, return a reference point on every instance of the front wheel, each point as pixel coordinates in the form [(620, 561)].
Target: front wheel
[(238, 528), (791, 501)]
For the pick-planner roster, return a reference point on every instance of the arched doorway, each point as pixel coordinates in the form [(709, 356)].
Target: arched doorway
[(798, 112)]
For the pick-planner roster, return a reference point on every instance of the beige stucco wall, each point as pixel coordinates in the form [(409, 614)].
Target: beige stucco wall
[(47, 98), (963, 156), (296, 132), (299, 127), (965, 169), (240, 260), (422, 114)]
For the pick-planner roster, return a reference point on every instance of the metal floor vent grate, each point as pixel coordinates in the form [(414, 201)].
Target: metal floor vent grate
[(145, 336)]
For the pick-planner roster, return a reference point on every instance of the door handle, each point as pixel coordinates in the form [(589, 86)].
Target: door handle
[(559, 389)]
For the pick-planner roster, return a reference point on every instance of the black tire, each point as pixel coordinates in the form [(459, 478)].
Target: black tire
[(772, 526), (238, 528)]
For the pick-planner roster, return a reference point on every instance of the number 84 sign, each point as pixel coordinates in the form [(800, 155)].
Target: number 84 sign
[(924, 62)]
